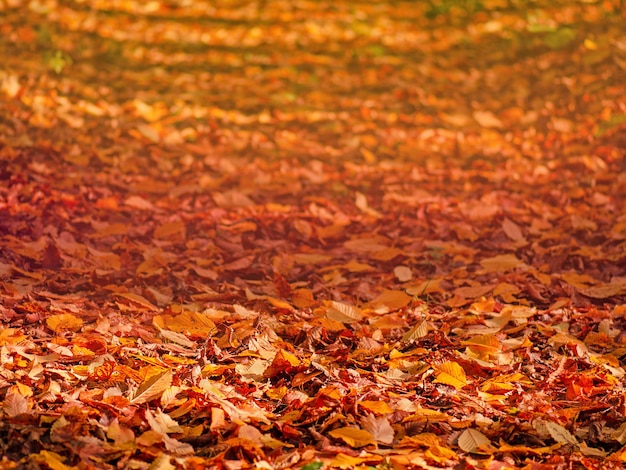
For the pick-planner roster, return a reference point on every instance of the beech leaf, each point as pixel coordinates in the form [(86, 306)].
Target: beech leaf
[(152, 388), (559, 433), (472, 441), (14, 405), (353, 437), (343, 313), (379, 428), (451, 373)]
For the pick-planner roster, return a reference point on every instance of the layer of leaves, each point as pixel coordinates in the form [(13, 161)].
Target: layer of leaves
[(312, 234)]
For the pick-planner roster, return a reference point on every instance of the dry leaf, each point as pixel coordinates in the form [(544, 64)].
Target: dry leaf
[(342, 312), (379, 428), (152, 388), (64, 322), (353, 437), (472, 441), (451, 373), (14, 404)]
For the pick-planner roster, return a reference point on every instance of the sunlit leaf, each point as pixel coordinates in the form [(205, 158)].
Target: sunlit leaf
[(451, 373), (377, 407), (64, 322), (152, 388), (353, 437)]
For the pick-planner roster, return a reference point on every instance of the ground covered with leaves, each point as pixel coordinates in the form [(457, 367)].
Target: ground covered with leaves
[(310, 234)]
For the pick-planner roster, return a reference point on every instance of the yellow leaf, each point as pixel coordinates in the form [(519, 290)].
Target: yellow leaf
[(559, 433), (451, 373), (278, 303), (484, 344), (192, 324), (505, 382), (504, 447), (375, 406), (425, 439), (440, 454), (603, 291), (619, 456), (52, 460), (353, 437), (138, 300), (425, 414), (64, 322), (153, 387), (368, 156), (342, 460)]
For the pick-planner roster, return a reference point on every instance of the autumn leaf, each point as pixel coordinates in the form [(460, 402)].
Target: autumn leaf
[(501, 263), (64, 322), (152, 388), (376, 407), (472, 440), (354, 437), (451, 373), (302, 229), (343, 313), (15, 404), (379, 428)]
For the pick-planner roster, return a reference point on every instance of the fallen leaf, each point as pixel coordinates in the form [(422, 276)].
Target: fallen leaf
[(353, 437), (152, 388), (472, 440)]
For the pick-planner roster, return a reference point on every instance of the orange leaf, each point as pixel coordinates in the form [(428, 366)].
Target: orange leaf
[(390, 300), (376, 406), (342, 312), (501, 263), (138, 300), (64, 322), (153, 387), (512, 230), (353, 437)]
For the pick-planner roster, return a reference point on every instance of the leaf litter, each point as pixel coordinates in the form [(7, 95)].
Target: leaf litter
[(312, 236)]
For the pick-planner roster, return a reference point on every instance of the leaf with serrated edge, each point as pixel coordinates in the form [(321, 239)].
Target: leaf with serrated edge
[(153, 387)]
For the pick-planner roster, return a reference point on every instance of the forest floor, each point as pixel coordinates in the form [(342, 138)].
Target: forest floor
[(309, 234)]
